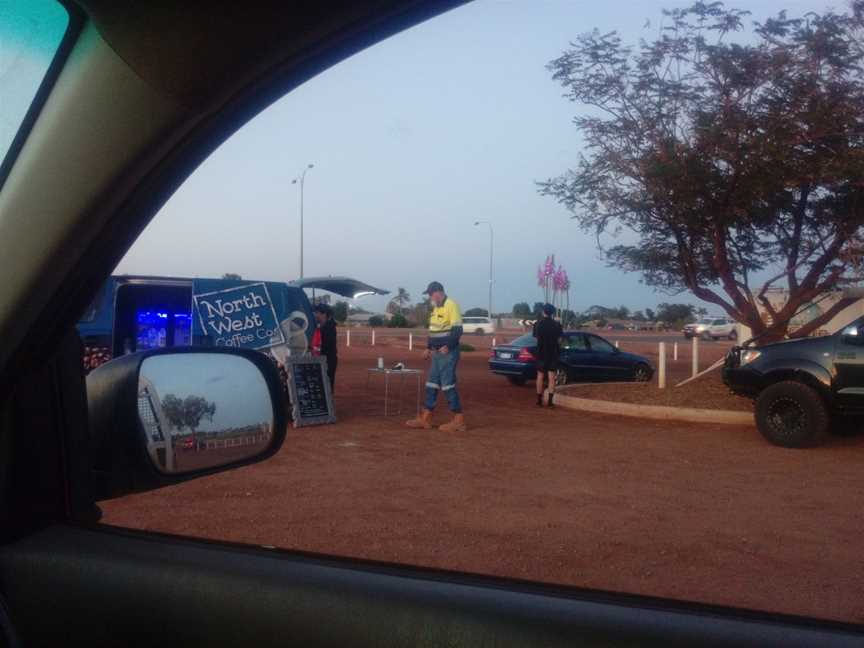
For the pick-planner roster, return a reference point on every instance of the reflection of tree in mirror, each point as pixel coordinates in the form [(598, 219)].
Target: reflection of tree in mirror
[(187, 412)]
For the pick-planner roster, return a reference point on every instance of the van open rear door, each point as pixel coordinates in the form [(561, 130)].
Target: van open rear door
[(343, 286)]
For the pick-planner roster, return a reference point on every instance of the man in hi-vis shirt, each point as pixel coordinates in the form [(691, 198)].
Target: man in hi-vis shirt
[(445, 329)]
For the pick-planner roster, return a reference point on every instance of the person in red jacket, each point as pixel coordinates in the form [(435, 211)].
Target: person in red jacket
[(326, 345)]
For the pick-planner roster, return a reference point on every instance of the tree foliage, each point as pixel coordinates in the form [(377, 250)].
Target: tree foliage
[(675, 314), (187, 412), (232, 276), (340, 311), (476, 312), (522, 309), (735, 164)]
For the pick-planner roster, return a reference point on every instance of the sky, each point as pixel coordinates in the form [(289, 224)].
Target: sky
[(413, 140)]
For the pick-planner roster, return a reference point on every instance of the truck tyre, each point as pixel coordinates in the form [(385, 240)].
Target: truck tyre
[(792, 415)]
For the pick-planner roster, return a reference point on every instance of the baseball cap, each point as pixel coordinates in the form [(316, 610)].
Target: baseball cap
[(434, 286), (549, 309)]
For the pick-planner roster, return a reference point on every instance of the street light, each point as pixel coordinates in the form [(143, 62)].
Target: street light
[(302, 179), (491, 247)]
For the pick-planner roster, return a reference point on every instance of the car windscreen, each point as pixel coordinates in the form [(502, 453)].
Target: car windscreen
[(524, 341)]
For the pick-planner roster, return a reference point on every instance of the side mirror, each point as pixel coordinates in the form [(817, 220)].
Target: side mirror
[(166, 416)]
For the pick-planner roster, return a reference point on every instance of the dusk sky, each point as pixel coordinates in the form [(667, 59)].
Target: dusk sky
[(413, 140)]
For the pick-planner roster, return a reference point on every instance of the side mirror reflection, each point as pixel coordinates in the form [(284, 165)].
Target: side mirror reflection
[(203, 410)]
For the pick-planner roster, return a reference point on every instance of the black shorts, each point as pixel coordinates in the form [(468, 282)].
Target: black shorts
[(547, 363)]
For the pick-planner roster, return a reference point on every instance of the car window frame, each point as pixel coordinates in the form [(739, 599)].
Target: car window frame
[(76, 20), (574, 336), (590, 337)]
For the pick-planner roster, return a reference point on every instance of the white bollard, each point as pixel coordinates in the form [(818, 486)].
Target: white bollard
[(348, 337), (675, 352), (373, 337), (661, 368), (410, 341), (493, 342), (616, 344), (695, 355)]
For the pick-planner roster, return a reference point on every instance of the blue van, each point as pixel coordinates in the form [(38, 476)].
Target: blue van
[(136, 313)]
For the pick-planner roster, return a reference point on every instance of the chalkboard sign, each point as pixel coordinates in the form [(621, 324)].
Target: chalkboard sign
[(309, 390)]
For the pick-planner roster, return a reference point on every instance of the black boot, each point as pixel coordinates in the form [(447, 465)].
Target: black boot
[(539, 400), (551, 396)]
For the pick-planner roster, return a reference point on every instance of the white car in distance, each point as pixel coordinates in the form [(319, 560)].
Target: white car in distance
[(712, 328), (478, 325)]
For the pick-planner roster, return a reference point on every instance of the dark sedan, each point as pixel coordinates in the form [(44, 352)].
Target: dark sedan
[(584, 358)]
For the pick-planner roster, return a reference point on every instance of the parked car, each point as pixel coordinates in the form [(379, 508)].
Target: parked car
[(712, 328), (799, 384), (585, 357), (478, 325)]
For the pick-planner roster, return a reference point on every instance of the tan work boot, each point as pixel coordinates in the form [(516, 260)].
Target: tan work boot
[(456, 425), (423, 421)]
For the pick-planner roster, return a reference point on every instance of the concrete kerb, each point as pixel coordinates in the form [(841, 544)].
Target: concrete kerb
[(655, 412)]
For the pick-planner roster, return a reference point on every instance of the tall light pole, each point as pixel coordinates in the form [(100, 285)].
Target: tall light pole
[(491, 249), (301, 179)]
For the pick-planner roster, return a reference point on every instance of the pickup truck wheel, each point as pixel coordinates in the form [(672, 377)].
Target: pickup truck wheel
[(792, 415)]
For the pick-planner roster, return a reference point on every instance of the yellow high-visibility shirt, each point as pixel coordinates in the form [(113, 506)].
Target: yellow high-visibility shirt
[(445, 325)]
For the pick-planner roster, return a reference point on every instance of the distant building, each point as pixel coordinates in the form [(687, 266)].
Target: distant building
[(777, 297)]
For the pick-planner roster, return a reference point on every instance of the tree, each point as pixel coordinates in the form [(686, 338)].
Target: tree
[(397, 304), (230, 276), (376, 320), (675, 314), (650, 315), (735, 165), (421, 312), (522, 309), (187, 412), (476, 312), (538, 309), (340, 311), (398, 321), (639, 316)]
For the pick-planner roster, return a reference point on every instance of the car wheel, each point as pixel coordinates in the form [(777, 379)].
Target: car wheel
[(561, 378), (516, 380), (733, 335), (480, 331), (642, 373), (792, 415), (706, 336)]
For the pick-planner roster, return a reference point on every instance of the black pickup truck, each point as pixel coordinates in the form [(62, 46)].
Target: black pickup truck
[(800, 385)]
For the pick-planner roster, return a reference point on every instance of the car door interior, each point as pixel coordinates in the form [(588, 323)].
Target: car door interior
[(65, 579)]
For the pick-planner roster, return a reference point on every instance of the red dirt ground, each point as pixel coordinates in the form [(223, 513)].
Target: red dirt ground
[(696, 512), (706, 392)]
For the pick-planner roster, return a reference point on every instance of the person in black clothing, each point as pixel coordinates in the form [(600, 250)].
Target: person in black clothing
[(327, 326), (548, 333)]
